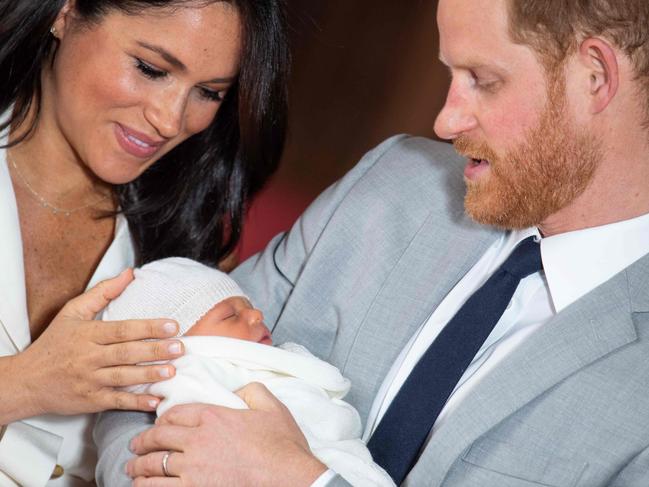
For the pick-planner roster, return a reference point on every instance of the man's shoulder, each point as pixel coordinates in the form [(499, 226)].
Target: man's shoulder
[(404, 173), (412, 155)]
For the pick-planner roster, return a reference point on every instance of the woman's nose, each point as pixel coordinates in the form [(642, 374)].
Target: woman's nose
[(166, 111), (456, 117)]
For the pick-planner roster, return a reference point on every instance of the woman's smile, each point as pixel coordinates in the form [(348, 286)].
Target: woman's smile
[(136, 143)]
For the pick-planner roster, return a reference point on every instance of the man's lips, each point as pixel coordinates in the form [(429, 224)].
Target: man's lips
[(137, 143), (475, 167)]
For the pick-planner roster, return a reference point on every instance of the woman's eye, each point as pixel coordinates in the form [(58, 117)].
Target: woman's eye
[(212, 95), (148, 70)]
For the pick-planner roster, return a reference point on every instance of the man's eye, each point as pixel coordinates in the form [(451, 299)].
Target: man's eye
[(148, 70), (212, 95)]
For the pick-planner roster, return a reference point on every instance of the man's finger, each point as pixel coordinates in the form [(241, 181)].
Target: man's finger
[(161, 437), (150, 465), (188, 415), (157, 482), (258, 397), (86, 306)]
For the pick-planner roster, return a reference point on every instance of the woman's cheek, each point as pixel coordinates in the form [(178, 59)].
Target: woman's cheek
[(200, 115)]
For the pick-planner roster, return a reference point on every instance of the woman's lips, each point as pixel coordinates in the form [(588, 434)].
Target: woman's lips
[(136, 143), (475, 168)]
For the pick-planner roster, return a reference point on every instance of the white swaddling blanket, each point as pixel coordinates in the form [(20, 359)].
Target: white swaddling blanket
[(310, 388)]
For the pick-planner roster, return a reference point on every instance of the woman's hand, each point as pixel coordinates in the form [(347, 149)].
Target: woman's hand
[(76, 365), (214, 446)]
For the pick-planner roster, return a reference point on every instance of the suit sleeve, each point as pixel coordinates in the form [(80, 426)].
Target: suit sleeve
[(113, 432), (635, 473)]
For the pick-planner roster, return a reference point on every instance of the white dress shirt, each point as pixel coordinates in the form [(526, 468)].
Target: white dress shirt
[(31, 448), (574, 264)]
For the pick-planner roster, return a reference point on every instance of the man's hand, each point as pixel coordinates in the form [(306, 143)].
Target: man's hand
[(218, 446)]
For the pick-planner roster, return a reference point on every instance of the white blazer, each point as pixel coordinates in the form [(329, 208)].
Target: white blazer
[(30, 449)]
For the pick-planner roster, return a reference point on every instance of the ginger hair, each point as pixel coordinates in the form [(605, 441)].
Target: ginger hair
[(555, 29)]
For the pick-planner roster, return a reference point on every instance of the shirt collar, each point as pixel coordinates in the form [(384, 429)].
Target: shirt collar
[(577, 262)]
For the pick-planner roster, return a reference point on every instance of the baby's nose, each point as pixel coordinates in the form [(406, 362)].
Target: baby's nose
[(254, 316)]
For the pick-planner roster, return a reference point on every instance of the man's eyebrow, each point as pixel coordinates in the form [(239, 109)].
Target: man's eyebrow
[(174, 61), (468, 64)]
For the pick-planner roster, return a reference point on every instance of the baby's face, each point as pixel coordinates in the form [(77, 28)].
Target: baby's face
[(234, 318)]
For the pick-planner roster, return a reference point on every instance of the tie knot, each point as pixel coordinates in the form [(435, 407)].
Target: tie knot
[(525, 259)]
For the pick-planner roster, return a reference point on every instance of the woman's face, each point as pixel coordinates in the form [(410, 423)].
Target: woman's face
[(126, 91)]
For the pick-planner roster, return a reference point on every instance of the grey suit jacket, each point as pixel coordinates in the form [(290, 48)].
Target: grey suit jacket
[(370, 260)]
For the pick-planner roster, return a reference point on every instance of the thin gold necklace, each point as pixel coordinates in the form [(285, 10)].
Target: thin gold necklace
[(46, 204)]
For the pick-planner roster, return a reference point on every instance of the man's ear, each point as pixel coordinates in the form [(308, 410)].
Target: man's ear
[(599, 58), (63, 20)]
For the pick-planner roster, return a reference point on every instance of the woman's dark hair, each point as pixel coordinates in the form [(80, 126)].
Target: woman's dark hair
[(192, 201)]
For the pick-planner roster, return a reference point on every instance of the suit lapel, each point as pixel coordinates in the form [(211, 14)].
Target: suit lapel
[(408, 297), (14, 324), (594, 326)]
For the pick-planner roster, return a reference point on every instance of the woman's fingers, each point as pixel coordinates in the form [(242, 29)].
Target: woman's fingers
[(129, 375), (106, 332), (127, 401), (130, 353), (86, 306)]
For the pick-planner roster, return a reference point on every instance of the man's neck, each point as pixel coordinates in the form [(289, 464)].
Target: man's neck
[(618, 191)]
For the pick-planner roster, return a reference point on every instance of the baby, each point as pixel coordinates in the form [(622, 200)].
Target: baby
[(227, 345)]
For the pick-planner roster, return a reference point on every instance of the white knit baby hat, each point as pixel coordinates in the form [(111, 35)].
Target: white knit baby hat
[(176, 288)]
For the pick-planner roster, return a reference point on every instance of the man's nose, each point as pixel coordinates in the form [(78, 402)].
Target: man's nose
[(456, 117), (166, 110)]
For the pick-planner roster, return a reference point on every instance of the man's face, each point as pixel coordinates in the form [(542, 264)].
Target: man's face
[(527, 158)]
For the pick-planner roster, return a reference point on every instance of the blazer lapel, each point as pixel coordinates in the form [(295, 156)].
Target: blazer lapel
[(594, 326), (14, 324), (409, 296)]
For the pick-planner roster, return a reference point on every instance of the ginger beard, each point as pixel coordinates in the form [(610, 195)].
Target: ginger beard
[(540, 176)]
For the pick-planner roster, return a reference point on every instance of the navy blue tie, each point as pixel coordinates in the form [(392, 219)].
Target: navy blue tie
[(397, 440)]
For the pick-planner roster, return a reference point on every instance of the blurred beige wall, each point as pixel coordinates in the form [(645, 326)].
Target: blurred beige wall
[(362, 71)]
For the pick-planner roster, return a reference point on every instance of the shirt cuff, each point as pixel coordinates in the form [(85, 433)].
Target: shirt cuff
[(324, 479), (28, 454)]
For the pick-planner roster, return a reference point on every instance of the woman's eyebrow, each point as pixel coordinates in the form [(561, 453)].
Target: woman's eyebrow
[(174, 61), (166, 55)]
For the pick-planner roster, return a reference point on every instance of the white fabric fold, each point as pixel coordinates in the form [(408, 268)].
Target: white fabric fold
[(213, 367)]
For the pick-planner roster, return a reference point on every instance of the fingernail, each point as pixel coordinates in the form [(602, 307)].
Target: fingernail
[(174, 348), (131, 446), (164, 372), (153, 403), (170, 328)]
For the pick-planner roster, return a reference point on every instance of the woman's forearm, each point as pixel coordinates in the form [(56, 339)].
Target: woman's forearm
[(16, 400)]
